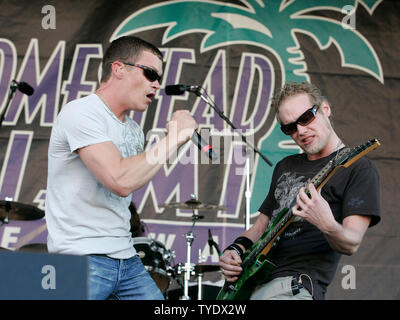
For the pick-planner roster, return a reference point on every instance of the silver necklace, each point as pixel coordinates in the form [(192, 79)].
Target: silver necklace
[(337, 149), (102, 98)]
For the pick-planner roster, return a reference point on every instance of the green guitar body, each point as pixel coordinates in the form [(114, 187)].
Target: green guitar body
[(256, 266), (250, 278)]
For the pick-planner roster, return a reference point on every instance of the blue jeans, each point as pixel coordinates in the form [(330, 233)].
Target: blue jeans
[(120, 279)]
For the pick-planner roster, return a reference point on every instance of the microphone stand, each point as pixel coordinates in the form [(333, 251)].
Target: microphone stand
[(211, 103), (13, 88), (215, 245)]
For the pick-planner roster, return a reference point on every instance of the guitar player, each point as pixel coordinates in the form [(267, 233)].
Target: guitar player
[(328, 222)]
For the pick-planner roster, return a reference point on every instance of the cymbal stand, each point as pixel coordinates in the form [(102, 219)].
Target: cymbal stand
[(189, 268), (200, 286)]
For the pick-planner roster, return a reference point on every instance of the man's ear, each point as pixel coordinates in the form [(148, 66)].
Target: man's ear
[(326, 108), (117, 69)]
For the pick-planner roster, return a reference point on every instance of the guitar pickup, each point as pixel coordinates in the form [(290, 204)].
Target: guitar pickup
[(232, 288)]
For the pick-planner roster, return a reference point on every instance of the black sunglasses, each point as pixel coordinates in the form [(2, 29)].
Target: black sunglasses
[(148, 72), (303, 120)]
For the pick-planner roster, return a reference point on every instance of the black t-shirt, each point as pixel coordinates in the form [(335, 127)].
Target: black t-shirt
[(302, 248)]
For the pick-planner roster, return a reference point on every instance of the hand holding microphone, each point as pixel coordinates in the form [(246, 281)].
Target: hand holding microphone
[(184, 126), (181, 126), (178, 89)]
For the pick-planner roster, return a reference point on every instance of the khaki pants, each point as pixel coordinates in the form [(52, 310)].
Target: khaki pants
[(279, 289)]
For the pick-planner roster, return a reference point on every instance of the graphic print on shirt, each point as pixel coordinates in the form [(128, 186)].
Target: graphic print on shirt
[(132, 144), (287, 187)]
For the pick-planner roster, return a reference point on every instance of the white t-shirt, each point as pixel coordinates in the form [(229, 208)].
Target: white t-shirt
[(83, 217)]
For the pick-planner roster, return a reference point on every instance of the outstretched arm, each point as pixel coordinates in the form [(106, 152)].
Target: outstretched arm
[(122, 176)]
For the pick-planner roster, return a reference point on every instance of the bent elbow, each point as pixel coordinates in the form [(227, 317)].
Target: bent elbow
[(119, 189), (350, 250), (353, 250), (123, 192)]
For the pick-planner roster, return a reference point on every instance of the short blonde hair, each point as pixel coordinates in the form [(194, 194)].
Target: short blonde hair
[(293, 88)]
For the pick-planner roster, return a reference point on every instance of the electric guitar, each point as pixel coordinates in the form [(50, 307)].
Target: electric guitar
[(255, 262)]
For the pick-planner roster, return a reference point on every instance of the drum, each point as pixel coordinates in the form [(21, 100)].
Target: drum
[(156, 259)]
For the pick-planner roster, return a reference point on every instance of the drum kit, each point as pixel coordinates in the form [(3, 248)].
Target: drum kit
[(11, 210), (156, 258)]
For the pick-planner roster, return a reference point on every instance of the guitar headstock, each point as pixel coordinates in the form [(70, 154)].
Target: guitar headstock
[(347, 156)]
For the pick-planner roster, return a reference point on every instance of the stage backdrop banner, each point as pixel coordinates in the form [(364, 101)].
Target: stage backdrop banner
[(240, 52)]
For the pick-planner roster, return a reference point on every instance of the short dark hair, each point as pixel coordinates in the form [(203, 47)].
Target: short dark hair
[(124, 48), (294, 88)]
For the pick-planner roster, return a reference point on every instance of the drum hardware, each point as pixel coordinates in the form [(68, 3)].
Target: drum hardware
[(193, 204), (188, 269), (200, 269), (34, 247), (156, 260), (197, 270), (10, 210)]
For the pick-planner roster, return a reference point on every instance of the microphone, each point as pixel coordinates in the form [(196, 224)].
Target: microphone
[(210, 242), (178, 89), (23, 87), (204, 147)]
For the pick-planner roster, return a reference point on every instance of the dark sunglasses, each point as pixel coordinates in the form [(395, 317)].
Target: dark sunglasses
[(148, 72), (303, 120)]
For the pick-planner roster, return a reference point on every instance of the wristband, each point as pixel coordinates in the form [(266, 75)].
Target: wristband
[(244, 241), (236, 248)]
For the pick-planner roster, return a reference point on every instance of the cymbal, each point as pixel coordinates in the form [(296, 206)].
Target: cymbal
[(193, 204), (19, 211), (201, 268), (34, 247)]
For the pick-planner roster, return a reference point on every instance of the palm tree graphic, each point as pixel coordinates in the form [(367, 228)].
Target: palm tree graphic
[(269, 24)]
